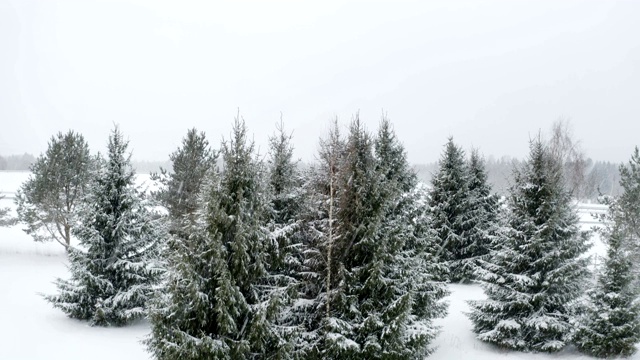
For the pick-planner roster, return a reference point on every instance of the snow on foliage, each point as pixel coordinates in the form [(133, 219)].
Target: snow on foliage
[(113, 269), (536, 271)]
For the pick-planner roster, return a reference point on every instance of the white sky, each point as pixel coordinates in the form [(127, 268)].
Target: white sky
[(489, 73)]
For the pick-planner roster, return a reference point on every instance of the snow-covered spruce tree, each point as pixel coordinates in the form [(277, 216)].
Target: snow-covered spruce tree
[(284, 178), (449, 207), (610, 324), (537, 270), (483, 209), (181, 186), (317, 233), (113, 270), (353, 301), (625, 212), (285, 249), (47, 201), (401, 324), (285, 199), (220, 301)]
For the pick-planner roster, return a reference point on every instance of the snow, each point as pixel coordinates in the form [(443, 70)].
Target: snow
[(457, 341), (30, 328)]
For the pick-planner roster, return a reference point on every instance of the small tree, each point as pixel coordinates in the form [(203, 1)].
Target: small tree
[(568, 152), (112, 271), (537, 269), (449, 206), (625, 211), (181, 187), (610, 324), (5, 220), (483, 209), (47, 201), (317, 231)]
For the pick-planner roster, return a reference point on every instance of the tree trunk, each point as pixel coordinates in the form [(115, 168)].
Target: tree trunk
[(67, 235)]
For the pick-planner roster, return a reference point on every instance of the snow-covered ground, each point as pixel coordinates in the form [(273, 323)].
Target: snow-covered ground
[(31, 329)]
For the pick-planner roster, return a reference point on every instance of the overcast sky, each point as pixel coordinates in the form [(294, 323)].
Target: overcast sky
[(488, 73)]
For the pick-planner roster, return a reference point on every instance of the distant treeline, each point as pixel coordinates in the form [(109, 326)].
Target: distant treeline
[(16, 162), (24, 161), (602, 177)]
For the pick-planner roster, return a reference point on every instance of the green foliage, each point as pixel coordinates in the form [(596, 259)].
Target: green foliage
[(450, 212), (5, 220), (537, 269), (220, 301), (48, 200), (284, 178), (181, 186), (483, 211), (609, 324), (112, 270), (368, 231)]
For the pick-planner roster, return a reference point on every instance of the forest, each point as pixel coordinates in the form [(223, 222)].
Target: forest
[(242, 256)]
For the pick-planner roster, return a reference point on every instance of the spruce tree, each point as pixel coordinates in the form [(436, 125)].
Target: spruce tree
[(112, 270), (483, 209), (450, 204), (406, 305), (221, 301), (284, 178), (537, 269), (625, 211), (610, 321), (181, 186), (285, 203), (368, 233), (48, 200), (317, 232)]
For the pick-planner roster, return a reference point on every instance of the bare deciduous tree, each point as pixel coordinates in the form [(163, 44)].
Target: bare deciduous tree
[(568, 151)]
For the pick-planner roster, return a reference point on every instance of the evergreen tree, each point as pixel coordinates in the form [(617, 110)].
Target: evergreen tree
[(284, 178), (181, 187), (625, 212), (221, 302), (450, 204), (48, 200), (5, 220), (113, 271), (285, 250), (407, 245), (610, 324), (483, 209), (317, 232), (537, 269), (368, 234)]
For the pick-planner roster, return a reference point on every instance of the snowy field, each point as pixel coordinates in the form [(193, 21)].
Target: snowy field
[(31, 329)]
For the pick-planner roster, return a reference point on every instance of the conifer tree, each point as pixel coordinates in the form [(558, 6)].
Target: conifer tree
[(284, 178), (353, 310), (317, 233), (610, 322), (407, 245), (450, 204), (537, 269), (221, 302), (48, 200), (182, 185), (112, 271), (483, 209), (369, 235), (625, 211)]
